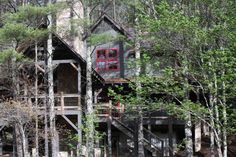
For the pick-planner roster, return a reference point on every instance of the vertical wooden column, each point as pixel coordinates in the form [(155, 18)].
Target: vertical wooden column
[(109, 137), (62, 103), (109, 134), (96, 93), (170, 134), (79, 116)]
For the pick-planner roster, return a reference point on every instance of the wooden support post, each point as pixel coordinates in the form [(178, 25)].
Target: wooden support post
[(79, 132), (79, 116), (62, 103), (109, 137), (96, 93), (110, 109), (170, 134)]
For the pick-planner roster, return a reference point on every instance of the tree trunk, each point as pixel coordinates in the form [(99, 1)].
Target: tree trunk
[(212, 137), (138, 84), (225, 149), (217, 122), (25, 152), (90, 112), (50, 89), (36, 102), (188, 134), (188, 123), (140, 133), (19, 149)]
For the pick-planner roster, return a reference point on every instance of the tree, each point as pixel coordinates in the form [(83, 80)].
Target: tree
[(193, 46), (19, 115), (22, 26)]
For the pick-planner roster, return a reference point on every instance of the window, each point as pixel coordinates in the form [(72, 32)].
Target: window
[(112, 53), (101, 54), (107, 59)]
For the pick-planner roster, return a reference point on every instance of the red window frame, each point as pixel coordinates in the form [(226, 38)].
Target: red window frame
[(99, 60), (106, 59)]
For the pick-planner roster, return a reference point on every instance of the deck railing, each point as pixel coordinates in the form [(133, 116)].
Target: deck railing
[(108, 109), (63, 102)]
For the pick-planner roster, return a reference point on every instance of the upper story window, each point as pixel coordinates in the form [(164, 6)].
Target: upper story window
[(101, 54), (107, 59), (112, 53)]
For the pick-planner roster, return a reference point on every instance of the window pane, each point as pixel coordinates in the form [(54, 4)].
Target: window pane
[(112, 65), (101, 65), (101, 54), (112, 53)]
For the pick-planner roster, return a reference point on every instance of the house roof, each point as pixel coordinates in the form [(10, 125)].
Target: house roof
[(78, 56), (58, 41), (110, 21)]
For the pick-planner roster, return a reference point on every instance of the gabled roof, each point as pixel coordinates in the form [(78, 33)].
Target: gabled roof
[(58, 41), (110, 21), (77, 56)]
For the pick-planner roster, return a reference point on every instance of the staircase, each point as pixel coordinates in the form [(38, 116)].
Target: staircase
[(150, 141)]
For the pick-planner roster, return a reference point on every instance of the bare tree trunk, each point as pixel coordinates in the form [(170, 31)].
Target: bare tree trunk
[(51, 90), (90, 112), (138, 84), (25, 152), (188, 123), (89, 95), (212, 137), (188, 134), (225, 149), (19, 149), (212, 123), (46, 128), (217, 125), (53, 133), (140, 133), (45, 103), (36, 102)]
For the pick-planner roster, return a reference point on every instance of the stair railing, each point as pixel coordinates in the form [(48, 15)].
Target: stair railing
[(154, 141)]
